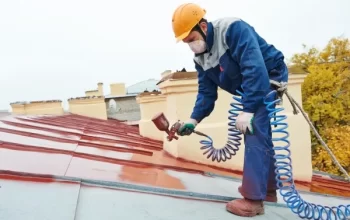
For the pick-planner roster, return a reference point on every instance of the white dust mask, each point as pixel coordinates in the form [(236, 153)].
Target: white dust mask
[(198, 46)]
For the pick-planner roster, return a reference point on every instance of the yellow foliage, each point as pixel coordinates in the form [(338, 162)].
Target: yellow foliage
[(304, 60), (326, 96), (326, 99), (338, 140), (337, 50), (294, 69)]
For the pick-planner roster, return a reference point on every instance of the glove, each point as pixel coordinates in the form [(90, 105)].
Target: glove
[(244, 122), (187, 128)]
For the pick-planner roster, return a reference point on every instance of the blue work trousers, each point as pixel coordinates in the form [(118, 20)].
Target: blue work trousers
[(259, 163), (259, 168)]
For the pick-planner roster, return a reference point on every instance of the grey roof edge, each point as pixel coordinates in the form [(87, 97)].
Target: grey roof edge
[(302, 192), (332, 176), (109, 96), (125, 186), (151, 189)]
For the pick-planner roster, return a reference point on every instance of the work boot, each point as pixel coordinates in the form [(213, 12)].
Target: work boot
[(271, 195), (246, 207)]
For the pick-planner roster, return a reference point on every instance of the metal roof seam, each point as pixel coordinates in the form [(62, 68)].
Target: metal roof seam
[(82, 136), (144, 188), (210, 174), (77, 202), (100, 128)]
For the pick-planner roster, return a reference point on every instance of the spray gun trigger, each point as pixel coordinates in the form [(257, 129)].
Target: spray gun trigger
[(173, 130)]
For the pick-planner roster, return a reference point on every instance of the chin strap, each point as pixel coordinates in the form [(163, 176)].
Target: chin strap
[(199, 29), (199, 54)]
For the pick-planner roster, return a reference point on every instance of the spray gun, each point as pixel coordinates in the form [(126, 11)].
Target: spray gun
[(162, 123), (218, 154)]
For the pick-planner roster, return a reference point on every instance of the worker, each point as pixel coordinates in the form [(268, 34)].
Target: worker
[(230, 54)]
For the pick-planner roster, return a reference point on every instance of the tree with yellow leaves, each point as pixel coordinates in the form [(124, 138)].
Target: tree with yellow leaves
[(326, 99), (338, 140)]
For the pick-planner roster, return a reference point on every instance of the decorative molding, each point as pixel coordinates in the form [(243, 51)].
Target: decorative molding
[(86, 97), (46, 101), (35, 102), (146, 93), (92, 90)]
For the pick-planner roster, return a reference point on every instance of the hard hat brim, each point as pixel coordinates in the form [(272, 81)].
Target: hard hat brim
[(182, 36)]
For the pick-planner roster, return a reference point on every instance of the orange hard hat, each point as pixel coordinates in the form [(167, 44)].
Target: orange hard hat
[(185, 17)]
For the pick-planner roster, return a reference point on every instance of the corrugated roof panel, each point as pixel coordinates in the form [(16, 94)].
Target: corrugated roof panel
[(108, 200), (33, 162), (22, 137), (89, 150), (38, 201)]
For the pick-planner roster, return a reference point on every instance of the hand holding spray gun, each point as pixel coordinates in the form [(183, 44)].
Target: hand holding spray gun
[(244, 124), (181, 129), (187, 128)]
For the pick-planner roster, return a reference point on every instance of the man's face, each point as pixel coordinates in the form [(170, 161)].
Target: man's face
[(195, 35)]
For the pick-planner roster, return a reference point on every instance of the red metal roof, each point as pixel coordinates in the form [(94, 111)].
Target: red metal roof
[(78, 146)]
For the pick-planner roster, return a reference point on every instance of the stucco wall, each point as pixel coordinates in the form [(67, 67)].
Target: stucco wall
[(49, 107), (94, 107), (92, 93), (18, 109), (150, 103), (117, 89), (180, 98), (123, 108), (96, 92)]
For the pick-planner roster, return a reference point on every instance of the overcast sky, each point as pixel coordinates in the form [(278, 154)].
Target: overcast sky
[(58, 49)]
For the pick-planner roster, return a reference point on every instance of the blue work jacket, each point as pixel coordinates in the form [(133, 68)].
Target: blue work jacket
[(237, 58)]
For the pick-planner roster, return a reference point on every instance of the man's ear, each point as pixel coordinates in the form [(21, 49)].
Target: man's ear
[(204, 26)]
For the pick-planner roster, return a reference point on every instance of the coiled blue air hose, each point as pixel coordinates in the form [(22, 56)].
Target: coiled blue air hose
[(284, 175), (234, 138), (283, 170)]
